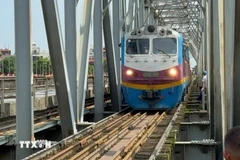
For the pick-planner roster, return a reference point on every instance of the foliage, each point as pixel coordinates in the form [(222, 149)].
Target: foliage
[(105, 67), (40, 65), (7, 65), (91, 67)]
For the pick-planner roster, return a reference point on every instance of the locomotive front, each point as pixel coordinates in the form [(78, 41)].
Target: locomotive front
[(152, 68)]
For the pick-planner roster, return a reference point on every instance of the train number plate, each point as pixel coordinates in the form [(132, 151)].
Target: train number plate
[(150, 74)]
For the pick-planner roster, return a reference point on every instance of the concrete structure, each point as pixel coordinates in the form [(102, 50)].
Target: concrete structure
[(37, 53), (44, 94)]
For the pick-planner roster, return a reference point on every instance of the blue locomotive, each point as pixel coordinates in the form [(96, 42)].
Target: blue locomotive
[(155, 68)]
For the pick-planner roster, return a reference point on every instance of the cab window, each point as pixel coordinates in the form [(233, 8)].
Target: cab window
[(137, 46), (164, 45)]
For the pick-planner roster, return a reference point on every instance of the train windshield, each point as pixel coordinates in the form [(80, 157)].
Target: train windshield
[(164, 46), (137, 46)]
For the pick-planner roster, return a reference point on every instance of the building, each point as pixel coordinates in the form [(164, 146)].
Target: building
[(91, 54), (37, 53), (104, 53), (35, 49), (5, 53)]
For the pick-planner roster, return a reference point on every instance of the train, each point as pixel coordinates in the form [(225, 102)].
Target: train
[(155, 68)]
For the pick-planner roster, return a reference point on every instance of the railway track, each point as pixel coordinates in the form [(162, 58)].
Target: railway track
[(9, 123), (126, 135)]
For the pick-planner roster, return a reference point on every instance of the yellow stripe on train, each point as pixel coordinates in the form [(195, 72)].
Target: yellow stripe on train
[(155, 86)]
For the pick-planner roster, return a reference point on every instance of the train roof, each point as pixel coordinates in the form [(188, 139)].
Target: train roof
[(149, 30)]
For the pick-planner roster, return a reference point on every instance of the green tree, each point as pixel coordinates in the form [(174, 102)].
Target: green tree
[(42, 66), (105, 66), (90, 69), (7, 65)]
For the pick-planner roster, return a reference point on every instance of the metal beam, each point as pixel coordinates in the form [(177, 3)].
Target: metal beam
[(221, 15), (111, 59), (204, 34), (216, 79), (24, 115), (146, 10), (71, 49), (236, 71), (229, 59), (116, 39), (98, 62), (199, 63), (135, 16), (210, 65), (140, 13), (83, 57), (123, 15), (60, 73), (152, 19), (130, 15), (208, 53)]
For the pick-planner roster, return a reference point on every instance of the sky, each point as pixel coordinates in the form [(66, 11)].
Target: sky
[(38, 27)]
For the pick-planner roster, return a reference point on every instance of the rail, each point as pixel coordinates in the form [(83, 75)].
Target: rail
[(120, 138), (9, 123), (132, 135), (69, 140)]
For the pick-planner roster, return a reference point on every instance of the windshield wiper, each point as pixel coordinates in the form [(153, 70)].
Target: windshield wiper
[(163, 52)]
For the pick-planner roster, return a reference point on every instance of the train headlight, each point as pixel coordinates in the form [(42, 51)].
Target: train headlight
[(129, 72), (173, 72)]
